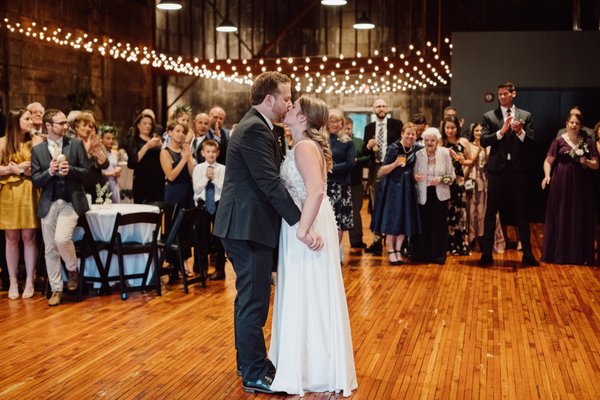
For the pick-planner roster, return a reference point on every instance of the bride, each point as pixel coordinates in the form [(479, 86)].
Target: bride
[(311, 344)]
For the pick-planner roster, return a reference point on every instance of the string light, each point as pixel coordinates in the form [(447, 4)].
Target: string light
[(387, 71)]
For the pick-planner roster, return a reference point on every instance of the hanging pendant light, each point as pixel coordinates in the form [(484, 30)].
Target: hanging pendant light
[(169, 5), (364, 22), (227, 26), (334, 2)]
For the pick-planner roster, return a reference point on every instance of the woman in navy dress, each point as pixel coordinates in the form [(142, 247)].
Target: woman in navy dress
[(570, 219), (178, 165), (396, 209)]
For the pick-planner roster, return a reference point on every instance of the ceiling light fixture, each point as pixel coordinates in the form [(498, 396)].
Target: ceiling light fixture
[(363, 22), (227, 26), (169, 5), (334, 2)]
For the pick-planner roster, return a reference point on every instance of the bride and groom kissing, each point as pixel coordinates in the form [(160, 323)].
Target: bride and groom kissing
[(265, 204)]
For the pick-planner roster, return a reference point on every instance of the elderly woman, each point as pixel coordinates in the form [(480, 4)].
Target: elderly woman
[(396, 210), (338, 180), (570, 219), (434, 174)]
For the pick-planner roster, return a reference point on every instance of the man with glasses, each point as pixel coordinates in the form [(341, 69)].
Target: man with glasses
[(58, 167)]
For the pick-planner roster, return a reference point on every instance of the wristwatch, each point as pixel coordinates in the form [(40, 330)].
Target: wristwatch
[(21, 172)]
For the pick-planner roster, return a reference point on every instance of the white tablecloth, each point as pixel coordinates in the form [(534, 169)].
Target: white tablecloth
[(102, 220)]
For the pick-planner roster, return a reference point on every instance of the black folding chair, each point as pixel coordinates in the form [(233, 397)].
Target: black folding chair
[(121, 249), (183, 233), (86, 247)]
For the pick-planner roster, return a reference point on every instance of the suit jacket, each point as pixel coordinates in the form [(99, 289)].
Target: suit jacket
[(520, 152), (394, 130), (254, 198), (79, 167), (224, 139), (443, 167)]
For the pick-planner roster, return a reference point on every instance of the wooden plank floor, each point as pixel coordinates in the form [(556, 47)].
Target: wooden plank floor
[(419, 332)]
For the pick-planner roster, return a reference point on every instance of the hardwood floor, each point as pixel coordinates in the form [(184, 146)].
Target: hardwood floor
[(419, 331)]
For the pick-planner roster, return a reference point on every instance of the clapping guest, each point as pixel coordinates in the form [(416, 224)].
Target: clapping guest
[(338, 180), (570, 219), (18, 198), (84, 125), (144, 159), (37, 112), (457, 206), (178, 165), (218, 131), (113, 171), (181, 115), (396, 210), (434, 174), (476, 188), (198, 135)]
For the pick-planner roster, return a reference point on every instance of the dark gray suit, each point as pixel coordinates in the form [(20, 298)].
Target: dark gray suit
[(79, 167), (248, 220)]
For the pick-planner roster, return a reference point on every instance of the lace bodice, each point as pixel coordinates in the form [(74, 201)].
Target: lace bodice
[(292, 179)]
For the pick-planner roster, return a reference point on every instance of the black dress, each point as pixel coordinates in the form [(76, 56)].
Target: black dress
[(396, 208), (180, 191), (148, 176)]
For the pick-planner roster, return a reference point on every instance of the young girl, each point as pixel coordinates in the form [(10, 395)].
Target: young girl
[(113, 171)]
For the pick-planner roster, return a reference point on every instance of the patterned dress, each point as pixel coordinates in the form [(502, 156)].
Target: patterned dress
[(458, 232)]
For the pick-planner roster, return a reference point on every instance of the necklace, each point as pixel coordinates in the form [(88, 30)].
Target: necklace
[(404, 148)]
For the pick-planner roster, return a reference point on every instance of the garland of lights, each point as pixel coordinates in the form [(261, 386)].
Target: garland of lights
[(392, 72)]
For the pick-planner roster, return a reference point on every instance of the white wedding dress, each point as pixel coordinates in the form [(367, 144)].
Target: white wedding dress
[(311, 343)]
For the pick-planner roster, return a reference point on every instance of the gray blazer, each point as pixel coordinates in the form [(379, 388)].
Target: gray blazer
[(254, 198), (79, 166), (443, 167)]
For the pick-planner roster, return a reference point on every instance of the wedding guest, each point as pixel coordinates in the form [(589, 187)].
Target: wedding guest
[(476, 189), (84, 126), (457, 206), (113, 171), (18, 198), (144, 159), (208, 178), (420, 122), (218, 131), (178, 165), (357, 190), (396, 209), (181, 115), (62, 201), (37, 112), (378, 136), (71, 119), (434, 173), (338, 180), (584, 129), (570, 214), (198, 135)]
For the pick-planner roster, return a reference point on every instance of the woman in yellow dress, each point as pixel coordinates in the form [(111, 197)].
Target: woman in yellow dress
[(18, 198)]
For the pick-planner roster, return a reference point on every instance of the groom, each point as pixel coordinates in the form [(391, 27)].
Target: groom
[(248, 221)]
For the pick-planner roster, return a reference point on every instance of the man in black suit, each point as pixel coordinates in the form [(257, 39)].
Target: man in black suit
[(509, 132), (218, 132), (378, 136), (58, 167), (253, 201)]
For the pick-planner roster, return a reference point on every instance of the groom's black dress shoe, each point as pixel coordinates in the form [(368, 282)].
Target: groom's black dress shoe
[(529, 259), (269, 365), (260, 386)]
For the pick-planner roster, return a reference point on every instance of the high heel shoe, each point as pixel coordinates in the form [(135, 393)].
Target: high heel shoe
[(400, 260), (395, 262), (29, 290), (13, 290)]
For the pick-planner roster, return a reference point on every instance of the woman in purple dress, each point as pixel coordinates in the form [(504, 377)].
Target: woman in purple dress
[(570, 220)]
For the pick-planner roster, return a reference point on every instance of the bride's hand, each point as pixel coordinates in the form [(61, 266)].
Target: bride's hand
[(311, 239)]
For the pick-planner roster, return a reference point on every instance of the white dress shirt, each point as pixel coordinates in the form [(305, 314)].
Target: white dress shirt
[(200, 180)]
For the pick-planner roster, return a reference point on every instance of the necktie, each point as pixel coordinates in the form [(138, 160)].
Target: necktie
[(195, 144), (379, 140), (209, 198), (508, 113), (57, 151)]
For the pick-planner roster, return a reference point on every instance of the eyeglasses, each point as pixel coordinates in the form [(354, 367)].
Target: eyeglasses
[(62, 123)]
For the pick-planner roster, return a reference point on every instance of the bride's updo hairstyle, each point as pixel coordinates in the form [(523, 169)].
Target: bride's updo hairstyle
[(317, 114)]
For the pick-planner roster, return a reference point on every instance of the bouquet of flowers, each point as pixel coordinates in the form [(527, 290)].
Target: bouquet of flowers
[(103, 195), (581, 150), (446, 179)]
